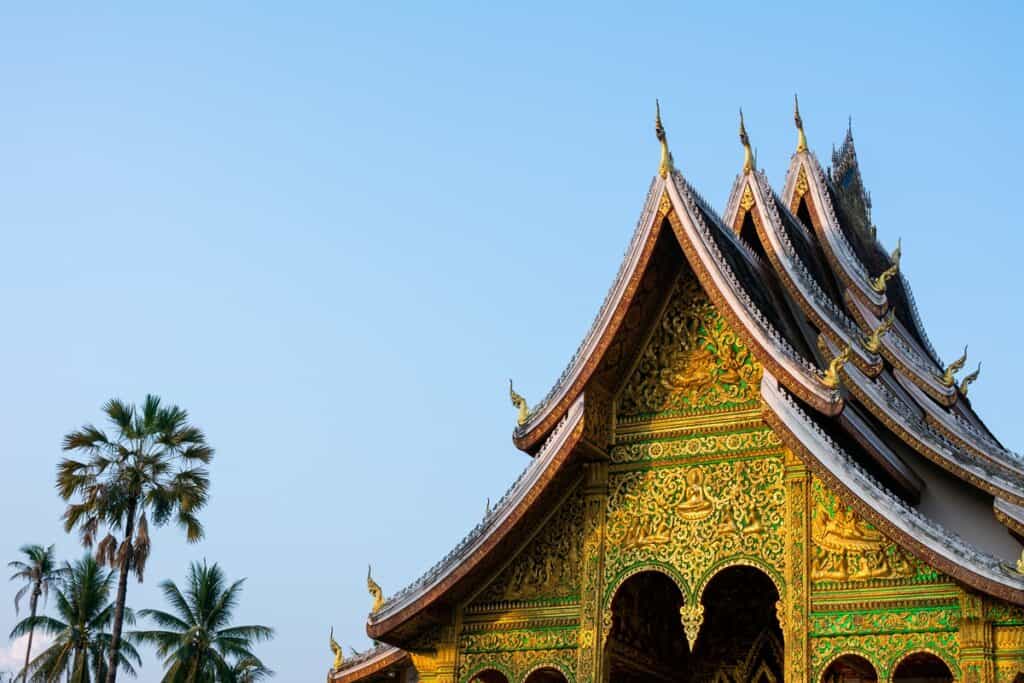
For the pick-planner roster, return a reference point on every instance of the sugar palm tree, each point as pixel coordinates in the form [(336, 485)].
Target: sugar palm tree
[(38, 572), (80, 631), (199, 644), (150, 469)]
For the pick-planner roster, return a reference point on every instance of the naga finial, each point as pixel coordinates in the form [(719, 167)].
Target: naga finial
[(969, 379), (801, 139), (880, 282), (953, 368), (1020, 563), (831, 378), (520, 403), (666, 165), (339, 656), (487, 507), (748, 154), (873, 342), (375, 591)]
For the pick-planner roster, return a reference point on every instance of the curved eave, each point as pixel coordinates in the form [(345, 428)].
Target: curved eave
[(483, 540), (377, 661), (1009, 515), (726, 292), (795, 276), (933, 544), (908, 424), (962, 433), (546, 415), (841, 257), (905, 354)]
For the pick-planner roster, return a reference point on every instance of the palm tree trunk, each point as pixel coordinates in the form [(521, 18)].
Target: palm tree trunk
[(28, 650), (122, 592)]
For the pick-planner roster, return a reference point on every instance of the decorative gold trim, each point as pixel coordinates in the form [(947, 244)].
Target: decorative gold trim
[(879, 283), (801, 139)]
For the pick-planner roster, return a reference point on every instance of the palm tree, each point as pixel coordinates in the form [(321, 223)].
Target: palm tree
[(199, 644), (81, 638), (152, 469), (38, 573)]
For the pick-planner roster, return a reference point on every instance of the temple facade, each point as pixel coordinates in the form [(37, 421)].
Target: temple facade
[(755, 468)]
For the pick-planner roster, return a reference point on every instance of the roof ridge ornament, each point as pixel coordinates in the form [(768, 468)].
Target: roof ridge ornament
[(968, 380), (953, 368), (667, 164), (880, 282), (375, 591), (339, 655), (519, 402), (801, 139), (748, 155), (873, 342), (831, 378)]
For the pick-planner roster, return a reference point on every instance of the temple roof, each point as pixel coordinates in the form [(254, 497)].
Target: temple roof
[(851, 382)]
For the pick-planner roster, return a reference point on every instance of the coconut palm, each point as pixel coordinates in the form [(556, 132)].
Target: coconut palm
[(199, 644), (39, 571), (151, 469), (80, 631)]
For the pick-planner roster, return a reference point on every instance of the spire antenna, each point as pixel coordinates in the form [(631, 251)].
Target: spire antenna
[(801, 139), (748, 154), (666, 165)]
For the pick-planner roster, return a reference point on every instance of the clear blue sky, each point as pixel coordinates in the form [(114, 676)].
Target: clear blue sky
[(333, 232)]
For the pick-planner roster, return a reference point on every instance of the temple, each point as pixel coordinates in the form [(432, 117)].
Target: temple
[(754, 468)]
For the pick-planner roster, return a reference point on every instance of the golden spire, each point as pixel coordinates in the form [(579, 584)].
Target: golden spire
[(375, 591), (831, 378), (339, 656), (969, 379), (879, 283), (953, 368), (748, 155), (520, 403), (666, 165), (873, 342), (801, 139)]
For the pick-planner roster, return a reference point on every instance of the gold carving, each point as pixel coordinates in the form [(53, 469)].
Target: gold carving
[(339, 656), (549, 565), (693, 360), (802, 186), (969, 379), (692, 616), (801, 139), (880, 282), (873, 342), (520, 403), (831, 378), (847, 548), (748, 155), (664, 204), (375, 591), (949, 374), (665, 166), (747, 200)]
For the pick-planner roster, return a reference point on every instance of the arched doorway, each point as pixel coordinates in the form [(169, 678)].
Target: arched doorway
[(647, 643), (546, 675), (489, 676), (922, 667), (740, 638), (850, 669)]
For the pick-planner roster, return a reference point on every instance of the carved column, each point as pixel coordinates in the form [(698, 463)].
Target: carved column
[(793, 612), (590, 667), (977, 649)]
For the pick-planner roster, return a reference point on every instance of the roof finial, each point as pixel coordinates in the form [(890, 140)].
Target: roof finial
[(879, 283), (519, 402), (873, 342), (969, 379), (953, 368), (748, 154), (801, 139), (666, 165), (339, 656), (831, 378), (375, 591)]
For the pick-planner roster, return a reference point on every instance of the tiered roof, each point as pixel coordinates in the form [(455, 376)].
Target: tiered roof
[(851, 383)]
